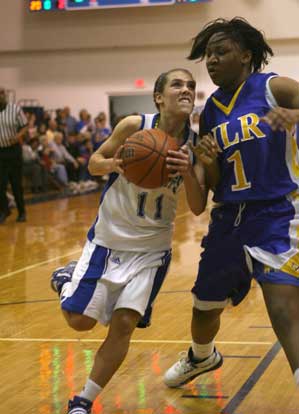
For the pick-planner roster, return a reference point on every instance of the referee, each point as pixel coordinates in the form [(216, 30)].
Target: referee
[(12, 128)]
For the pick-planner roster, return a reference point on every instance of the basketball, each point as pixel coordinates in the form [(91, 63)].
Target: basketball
[(144, 157)]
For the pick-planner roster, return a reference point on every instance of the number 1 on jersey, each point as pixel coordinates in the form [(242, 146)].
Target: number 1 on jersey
[(241, 180)]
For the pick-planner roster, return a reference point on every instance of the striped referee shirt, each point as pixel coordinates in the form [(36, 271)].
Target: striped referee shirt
[(12, 119)]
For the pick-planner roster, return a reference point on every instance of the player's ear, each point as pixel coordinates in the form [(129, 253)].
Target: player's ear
[(158, 98), (246, 57)]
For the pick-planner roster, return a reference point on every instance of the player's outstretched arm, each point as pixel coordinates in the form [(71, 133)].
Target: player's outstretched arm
[(106, 159), (286, 94)]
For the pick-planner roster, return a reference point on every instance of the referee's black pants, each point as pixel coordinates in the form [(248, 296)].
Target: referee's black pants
[(11, 170)]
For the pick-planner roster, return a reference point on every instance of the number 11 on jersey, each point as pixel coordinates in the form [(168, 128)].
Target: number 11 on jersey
[(142, 197)]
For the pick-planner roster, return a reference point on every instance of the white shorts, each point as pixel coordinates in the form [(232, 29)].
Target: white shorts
[(105, 280)]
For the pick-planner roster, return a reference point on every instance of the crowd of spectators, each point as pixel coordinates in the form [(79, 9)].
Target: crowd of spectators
[(57, 149)]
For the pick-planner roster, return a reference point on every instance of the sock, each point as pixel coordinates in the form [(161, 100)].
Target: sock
[(296, 375), (91, 390), (202, 351), (64, 289)]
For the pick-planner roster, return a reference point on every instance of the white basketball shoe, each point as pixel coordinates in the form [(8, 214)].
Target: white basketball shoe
[(187, 368)]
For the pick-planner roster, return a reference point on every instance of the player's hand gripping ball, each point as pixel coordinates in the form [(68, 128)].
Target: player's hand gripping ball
[(144, 157)]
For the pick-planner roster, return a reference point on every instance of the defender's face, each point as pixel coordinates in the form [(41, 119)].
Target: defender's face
[(178, 95), (225, 60)]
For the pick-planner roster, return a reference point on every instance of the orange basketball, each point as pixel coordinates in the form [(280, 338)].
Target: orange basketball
[(144, 157)]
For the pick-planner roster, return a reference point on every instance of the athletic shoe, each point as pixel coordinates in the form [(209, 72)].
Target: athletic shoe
[(79, 405), (21, 218), (187, 368), (4, 215), (61, 275)]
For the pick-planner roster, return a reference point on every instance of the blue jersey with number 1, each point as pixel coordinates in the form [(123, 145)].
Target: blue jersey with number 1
[(256, 163)]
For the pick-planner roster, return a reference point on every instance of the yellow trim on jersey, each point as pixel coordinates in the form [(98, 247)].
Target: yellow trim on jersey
[(227, 109), (294, 149), (157, 122), (294, 195), (267, 269), (291, 266)]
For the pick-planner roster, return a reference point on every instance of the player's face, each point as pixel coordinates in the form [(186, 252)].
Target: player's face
[(178, 94), (226, 62)]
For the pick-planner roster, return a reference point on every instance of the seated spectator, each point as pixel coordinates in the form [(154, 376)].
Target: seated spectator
[(32, 126), (85, 124), (48, 159), (61, 156), (70, 121), (61, 123), (52, 129), (42, 129), (102, 131), (72, 144), (85, 151), (33, 168), (44, 152), (46, 118), (58, 116), (80, 147)]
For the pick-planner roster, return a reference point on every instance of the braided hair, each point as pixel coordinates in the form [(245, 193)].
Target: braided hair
[(241, 32)]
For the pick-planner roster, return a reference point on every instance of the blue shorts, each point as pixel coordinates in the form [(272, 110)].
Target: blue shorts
[(262, 231)]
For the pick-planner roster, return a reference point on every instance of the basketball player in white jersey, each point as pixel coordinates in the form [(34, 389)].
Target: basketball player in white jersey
[(128, 248)]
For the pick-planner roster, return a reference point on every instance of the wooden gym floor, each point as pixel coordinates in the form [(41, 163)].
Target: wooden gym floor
[(43, 362)]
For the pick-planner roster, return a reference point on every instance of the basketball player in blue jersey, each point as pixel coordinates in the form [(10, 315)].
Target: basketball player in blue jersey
[(128, 248), (254, 225)]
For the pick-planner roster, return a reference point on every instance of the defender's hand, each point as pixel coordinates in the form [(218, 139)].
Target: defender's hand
[(206, 150), (281, 118)]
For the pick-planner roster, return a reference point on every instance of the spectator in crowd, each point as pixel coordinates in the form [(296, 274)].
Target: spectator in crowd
[(33, 167), (85, 123), (85, 152), (32, 126), (52, 129), (61, 156), (70, 121), (46, 118), (52, 166), (13, 126), (72, 145), (102, 131), (61, 123), (80, 147), (42, 129), (59, 116)]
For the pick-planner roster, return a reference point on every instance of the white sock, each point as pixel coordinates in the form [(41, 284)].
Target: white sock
[(91, 390), (202, 351), (64, 288), (296, 375)]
